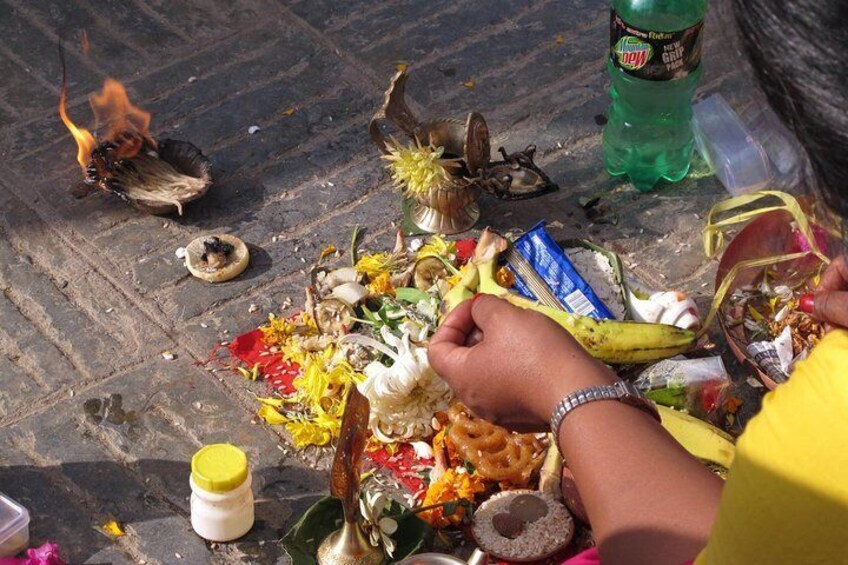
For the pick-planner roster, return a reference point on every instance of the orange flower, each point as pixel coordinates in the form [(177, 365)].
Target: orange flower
[(329, 250), (505, 277), (453, 485), (381, 284)]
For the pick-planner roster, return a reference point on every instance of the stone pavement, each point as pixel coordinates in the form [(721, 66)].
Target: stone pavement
[(92, 290)]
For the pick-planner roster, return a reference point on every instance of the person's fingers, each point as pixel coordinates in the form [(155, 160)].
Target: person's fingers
[(475, 337), (456, 327), (832, 307), (447, 351), (835, 276), (489, 311)]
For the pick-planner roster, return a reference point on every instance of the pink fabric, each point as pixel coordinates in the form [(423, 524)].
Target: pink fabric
[(588, 557), (47, 554), (591, 557)]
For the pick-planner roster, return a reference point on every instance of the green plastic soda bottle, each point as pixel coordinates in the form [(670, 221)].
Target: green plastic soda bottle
[(654, 66)]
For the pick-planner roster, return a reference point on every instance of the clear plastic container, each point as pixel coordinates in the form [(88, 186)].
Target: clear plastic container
[(733, 153), (14, 527), (786, 157)]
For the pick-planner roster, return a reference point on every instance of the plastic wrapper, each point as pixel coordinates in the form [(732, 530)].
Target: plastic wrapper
[(559, 274), (699, 386)]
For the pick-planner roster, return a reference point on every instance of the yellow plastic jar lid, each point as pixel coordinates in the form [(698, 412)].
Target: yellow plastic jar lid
[(219, 467)]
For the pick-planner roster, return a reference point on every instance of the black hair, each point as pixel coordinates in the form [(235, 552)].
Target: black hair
[(799, 50)]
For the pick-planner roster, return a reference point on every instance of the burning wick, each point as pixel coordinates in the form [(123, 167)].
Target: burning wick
[(128, 161)]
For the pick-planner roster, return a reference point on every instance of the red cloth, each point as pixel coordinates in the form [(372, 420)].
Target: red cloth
[(251, 350)]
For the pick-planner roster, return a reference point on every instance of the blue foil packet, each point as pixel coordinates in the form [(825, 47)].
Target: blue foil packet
[(550, 262)]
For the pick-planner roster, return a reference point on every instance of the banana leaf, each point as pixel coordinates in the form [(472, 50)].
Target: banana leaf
[(326, 516), (615, 261)]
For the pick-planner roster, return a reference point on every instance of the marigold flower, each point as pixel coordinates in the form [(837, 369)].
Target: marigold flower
[(454, 485)]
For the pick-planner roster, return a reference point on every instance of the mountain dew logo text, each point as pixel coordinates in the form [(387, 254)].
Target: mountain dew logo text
[(632, 52)]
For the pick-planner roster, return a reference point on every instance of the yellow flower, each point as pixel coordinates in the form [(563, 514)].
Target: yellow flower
[(317, 403), (382, 284), (417, 168), (271, 415), (306, 433), (438, 247), (453, 485), (113, 528), (375, 264), (277, 331), (454, 279)]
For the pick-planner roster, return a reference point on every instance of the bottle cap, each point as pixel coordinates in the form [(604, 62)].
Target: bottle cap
[(219, 467)]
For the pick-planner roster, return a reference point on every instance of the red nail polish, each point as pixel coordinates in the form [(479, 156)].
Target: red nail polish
[(807, 303)]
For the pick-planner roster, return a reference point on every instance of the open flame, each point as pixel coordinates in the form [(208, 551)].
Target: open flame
[(85, 141), (120, 122)]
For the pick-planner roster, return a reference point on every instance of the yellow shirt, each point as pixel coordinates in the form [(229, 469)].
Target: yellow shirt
[(786, 496)]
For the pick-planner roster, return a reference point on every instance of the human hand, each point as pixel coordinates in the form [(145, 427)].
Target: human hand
[(829, 302), (511, 366)]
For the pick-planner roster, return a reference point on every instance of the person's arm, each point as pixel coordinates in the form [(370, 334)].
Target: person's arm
[(648, 500)]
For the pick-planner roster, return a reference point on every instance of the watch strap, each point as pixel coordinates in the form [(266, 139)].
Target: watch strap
[(622, 391)]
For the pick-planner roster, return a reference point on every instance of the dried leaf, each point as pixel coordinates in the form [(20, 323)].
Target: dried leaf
[(587, 203), (345, 471), (469, 84), (560, 39), (113, 528), (84, 42), (329, 250), (755, 314), (732, 405), (400, 67), (288, 111)]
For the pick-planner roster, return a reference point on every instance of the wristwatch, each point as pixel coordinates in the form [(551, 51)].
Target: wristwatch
[(622, 391)]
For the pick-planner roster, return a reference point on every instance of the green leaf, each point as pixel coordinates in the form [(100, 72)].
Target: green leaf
[(325, 516), (674, 396), (411, 295), (413, 534), (449, 509), (320, 520)]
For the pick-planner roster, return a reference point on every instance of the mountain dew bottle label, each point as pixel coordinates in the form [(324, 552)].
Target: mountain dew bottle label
[(654, 55)]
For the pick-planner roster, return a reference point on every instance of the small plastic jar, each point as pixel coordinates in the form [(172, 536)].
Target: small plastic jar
[(221, 497)]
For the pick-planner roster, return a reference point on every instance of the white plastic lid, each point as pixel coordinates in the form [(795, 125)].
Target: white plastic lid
[(13, 518)]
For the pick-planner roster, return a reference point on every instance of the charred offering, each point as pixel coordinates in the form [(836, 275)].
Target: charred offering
[(154, 180), (217, 253), (217, 258), (157, 178)]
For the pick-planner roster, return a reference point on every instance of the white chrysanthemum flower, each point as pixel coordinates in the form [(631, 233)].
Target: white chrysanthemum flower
[(404, 395)]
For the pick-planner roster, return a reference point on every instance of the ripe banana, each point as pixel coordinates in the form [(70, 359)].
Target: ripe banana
[(702, 440), (609, 340)]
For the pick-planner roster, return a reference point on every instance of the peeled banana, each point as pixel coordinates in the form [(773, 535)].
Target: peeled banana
[(610, 341), (463, 290), (702, 440)]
